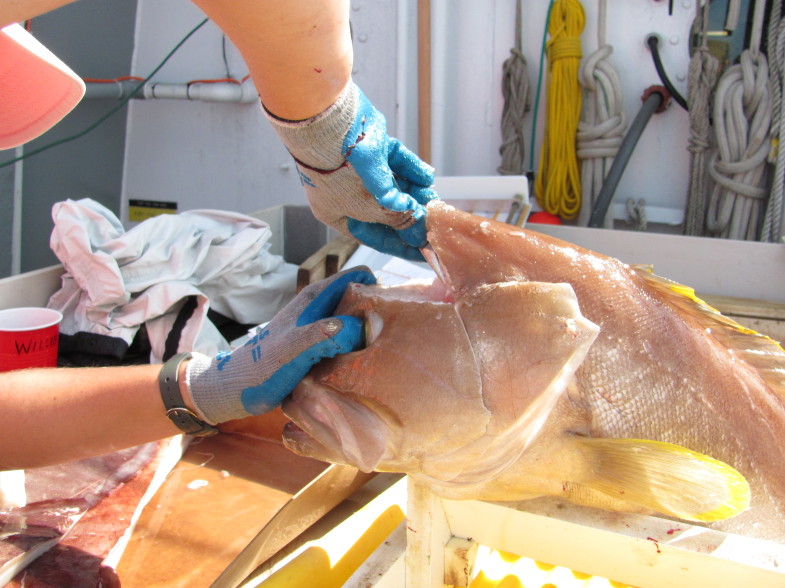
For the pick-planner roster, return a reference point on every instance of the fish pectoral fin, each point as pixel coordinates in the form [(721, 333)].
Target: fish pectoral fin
[(663, 477)]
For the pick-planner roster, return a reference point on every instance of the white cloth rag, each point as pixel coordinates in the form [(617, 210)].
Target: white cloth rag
[(117, 280)]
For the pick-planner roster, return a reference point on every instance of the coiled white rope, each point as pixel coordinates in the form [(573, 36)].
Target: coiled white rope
[(742, 120), (702, 78), (517, 102), (603, 124), (636, 214), (772, 222)]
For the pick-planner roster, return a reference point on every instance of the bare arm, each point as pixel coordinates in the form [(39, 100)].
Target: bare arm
[(19, 10), (54, 415), (299, 52)]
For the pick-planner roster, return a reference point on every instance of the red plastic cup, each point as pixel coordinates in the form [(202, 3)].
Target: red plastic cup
[(28, 338)]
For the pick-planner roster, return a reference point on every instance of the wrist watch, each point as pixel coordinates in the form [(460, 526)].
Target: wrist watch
[(178, 413)]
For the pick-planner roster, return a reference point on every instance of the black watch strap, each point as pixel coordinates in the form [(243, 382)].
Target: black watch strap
[(176, 410)]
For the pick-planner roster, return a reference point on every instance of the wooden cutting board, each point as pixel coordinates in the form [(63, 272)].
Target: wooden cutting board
[(224, 490)]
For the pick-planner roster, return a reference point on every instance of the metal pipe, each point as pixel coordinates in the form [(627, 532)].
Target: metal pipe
[(108, 90), (244, 93)]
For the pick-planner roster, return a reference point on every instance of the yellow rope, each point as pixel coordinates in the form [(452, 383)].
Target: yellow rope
[(558, 183)]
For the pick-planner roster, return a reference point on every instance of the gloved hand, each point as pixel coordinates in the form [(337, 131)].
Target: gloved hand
[(358, 179), (256, 377)]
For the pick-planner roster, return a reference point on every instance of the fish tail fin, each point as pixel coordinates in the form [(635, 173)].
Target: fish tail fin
[(662, 477)]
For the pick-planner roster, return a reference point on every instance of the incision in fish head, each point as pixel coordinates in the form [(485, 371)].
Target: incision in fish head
[(450, 390)]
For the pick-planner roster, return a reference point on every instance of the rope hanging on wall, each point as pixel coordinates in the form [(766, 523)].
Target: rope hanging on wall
[(772, 223), (742, 119), (517, 102), (604, 124), (702, 78), (558, 185)]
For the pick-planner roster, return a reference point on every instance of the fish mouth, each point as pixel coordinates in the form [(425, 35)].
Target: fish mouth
[(330, 426)]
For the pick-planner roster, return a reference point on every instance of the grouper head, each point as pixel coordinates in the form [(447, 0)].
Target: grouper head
[(453, 384)]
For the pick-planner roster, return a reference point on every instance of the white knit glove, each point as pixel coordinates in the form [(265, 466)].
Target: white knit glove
[(358, 179), (256, 377)]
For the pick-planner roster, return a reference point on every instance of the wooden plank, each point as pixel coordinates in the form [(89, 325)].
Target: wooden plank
[(424, 79), (311, 270), (327, 261), (766, 318), (745, 307), (339, 251)]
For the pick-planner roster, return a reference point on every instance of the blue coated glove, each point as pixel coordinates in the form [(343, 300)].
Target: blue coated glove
[(358, 179), (256, 377)]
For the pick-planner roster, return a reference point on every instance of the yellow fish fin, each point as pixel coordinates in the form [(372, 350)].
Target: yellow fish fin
[(759, 351), (662, 477), (643, 267)]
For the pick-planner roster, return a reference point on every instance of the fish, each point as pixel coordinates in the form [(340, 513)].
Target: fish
[(536, 368)]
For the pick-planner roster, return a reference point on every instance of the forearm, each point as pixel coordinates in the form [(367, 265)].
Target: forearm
[(299, 52), (50, 416), (19, 10)]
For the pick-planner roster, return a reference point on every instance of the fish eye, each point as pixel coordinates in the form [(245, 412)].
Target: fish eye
[(373, 327)]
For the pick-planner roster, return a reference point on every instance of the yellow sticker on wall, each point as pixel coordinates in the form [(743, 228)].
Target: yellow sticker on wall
[(139, 210)]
